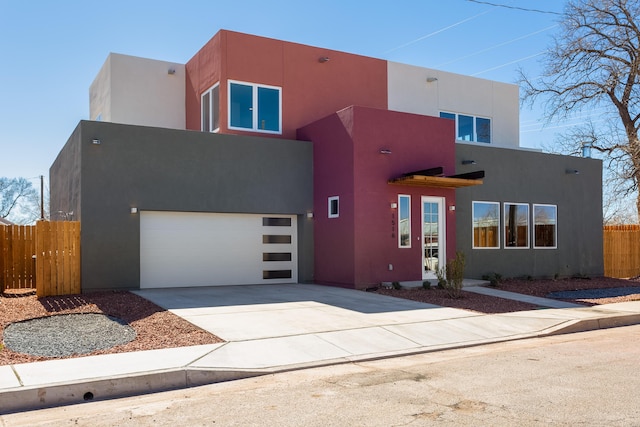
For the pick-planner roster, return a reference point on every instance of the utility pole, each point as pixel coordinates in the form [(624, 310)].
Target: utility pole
[(41, 197)]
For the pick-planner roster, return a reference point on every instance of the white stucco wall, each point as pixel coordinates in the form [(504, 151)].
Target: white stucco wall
[(139, 91), (409, 92)]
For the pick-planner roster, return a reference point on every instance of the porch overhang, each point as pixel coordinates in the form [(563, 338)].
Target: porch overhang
[(430, 178)]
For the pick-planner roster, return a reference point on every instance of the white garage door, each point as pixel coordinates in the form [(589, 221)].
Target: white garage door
[(207, 249)]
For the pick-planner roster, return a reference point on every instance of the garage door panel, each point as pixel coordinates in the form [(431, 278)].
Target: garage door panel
[(208, 249)]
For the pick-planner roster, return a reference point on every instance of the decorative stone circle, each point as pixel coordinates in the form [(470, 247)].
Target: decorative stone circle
[(67, 334)]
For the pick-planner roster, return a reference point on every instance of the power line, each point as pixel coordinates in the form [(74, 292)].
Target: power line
[(514, 7)]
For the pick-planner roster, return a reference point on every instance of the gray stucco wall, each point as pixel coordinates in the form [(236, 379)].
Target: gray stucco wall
[(173, 170), (521, 176)]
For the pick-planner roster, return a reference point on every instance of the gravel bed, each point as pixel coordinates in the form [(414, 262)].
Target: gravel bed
[(595, 293), (154, 327), (67, 334)]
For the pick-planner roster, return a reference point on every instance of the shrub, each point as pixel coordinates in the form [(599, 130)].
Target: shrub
[(493, 278), (455, 276), (426, 284), (396, 285)]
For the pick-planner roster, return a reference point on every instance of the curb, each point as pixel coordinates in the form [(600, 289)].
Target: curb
[(21, 399)]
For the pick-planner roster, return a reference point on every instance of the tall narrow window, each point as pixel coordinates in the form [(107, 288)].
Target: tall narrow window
[(334, 207), (486, 225), (516, 225), (255, 107), (404, 221), (210, 107), (545, 232)]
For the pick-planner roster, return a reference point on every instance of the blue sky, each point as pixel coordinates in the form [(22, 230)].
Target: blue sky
[(52, 50)]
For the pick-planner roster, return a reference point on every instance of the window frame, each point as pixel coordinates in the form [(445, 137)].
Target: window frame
[(254, 107), (555, 228), (408, 221), (473, 217), (330, 212), (212, 111), (474, 122), (504, 225)]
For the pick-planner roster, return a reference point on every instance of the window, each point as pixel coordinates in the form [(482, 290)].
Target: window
[(254, 107), (545, 218), (334, 208), (486, 225), (210, 105), (470, 128), (404, 221), (516, 225)]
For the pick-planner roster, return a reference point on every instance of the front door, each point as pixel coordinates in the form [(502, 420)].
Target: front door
[(433, 236)]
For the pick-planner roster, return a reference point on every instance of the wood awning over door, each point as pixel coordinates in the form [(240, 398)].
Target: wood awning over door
[(434, 178)]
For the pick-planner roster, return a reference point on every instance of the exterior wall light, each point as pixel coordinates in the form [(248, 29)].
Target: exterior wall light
[(432, 79), (385, 151), (323, 59), (171, 71), (468, 162), (96, 142), (572, 172), (394, 205), (134, 210), (309, 215)]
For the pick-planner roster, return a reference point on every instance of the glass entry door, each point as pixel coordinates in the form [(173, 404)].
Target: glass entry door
[(433, 236)]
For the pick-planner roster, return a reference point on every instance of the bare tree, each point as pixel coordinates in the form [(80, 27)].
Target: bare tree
[(18, 200), (594, 62)]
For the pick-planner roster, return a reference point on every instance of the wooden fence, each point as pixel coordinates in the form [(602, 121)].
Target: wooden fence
[(45, 256), (621, 250)]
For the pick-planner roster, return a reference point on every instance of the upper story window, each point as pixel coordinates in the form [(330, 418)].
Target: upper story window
[(210, 105), (470, 128), (255, 107)]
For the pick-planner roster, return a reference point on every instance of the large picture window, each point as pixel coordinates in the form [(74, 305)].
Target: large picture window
[(404, 221), (545, 232), (255, 107), (516, 225), (210, 106), (470, 128), (486, 225)]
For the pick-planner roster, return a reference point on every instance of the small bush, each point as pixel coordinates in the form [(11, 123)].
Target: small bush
[(396, 285), (455, 276), (426, 284), (441, 275), (493, 278)]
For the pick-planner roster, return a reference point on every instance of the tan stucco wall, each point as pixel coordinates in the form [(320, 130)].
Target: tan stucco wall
[(132, 90), (410, 92)]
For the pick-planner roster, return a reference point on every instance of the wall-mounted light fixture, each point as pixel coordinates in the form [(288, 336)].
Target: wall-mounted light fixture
[(432, 79), (323, 59), (171, 71), (394, 205), (452, 208), (385, 151), (468, 162), (96, 141), (309, 215), (134, 210), (572, 172)]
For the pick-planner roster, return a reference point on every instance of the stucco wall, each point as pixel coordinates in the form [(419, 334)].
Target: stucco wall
[(356, 249), (310, 89), (410, 92), (170, 170), (132, 90), (520, 176)]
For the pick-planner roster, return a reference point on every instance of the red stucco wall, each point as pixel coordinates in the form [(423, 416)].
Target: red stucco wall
[(357, 249), (310, 89)]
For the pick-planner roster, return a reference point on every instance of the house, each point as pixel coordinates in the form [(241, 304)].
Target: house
[(266, 161)]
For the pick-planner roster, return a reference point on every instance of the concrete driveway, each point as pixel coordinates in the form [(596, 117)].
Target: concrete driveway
[(239, 313)]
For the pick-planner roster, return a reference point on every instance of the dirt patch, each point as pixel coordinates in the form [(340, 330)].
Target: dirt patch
[(155, 327)]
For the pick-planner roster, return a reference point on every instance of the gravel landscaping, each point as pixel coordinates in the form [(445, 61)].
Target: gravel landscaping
[(122, 321)]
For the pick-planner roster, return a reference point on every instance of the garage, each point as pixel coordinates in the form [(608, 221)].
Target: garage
[(180, 249)]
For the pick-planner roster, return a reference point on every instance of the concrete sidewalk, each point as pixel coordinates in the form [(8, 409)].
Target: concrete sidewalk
[(275, 328)]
